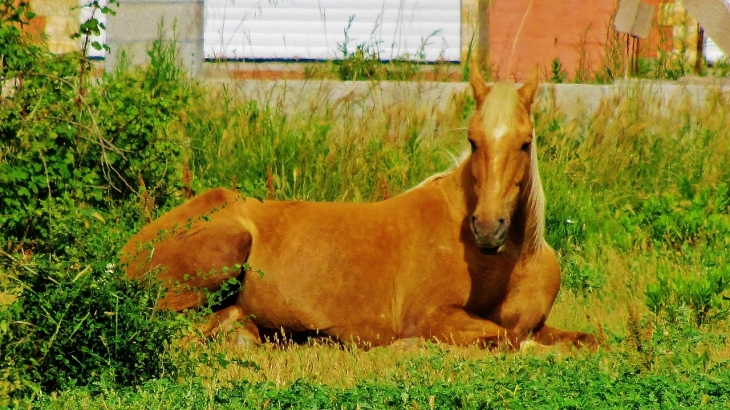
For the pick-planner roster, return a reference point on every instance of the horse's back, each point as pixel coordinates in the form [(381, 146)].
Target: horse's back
[(343, 266)]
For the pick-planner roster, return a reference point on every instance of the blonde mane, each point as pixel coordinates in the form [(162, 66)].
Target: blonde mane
[(435, 177), (535, 201)]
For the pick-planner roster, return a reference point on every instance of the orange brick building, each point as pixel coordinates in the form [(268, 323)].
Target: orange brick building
[(528, 33)]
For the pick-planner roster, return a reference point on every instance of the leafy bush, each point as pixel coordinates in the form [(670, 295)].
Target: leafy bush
[(72, 327), (705, 296), (686, 219), (81, 166)]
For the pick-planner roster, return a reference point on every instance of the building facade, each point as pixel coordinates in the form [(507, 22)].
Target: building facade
[(516, 35)]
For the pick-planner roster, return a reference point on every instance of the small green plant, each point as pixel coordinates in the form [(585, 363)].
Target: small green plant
[(557, 72), (685, 219), (365, 62), (721, 68), (704, 295)]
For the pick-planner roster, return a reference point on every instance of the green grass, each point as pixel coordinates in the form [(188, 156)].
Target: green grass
[(436, 380)]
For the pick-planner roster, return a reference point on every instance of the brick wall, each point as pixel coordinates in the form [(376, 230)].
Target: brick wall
[(562, 29)]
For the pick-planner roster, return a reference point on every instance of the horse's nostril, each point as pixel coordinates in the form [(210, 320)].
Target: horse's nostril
[(473, 219), (501, 227)]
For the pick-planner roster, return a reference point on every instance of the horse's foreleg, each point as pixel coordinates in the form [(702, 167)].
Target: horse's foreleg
[(548, 335), (456, 326)]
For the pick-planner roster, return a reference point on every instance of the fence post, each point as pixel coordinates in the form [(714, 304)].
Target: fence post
[(483, 40), (475, 31)]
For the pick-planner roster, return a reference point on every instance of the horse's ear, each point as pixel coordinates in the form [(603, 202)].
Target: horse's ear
[(476, 80), (528, 89)]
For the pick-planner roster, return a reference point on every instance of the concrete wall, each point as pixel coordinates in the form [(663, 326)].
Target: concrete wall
[(137, 25), (576, 101), (58, 21)]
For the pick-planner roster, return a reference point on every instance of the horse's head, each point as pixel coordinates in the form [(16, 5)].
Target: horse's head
[(501, 135)]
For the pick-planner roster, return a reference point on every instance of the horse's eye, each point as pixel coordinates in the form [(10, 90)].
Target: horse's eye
[(473, 145), (525, 147)]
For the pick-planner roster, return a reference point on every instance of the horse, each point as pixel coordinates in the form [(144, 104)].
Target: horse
[(459, 259)]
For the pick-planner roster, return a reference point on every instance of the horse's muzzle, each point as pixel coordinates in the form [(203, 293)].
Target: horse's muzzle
[(490, 238)]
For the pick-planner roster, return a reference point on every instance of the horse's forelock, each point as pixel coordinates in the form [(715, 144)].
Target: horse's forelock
[(500, 107)]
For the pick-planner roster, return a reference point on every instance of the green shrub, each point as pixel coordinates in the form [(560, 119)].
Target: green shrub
[(76, 161), (365, 64), (686, 219), (557, 72), (703, 296), (72, 327)]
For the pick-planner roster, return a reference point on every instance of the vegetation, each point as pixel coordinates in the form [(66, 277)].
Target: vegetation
[(638, 210), (73, 161)]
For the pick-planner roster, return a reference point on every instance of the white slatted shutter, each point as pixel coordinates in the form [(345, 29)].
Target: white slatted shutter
[(315, 29)]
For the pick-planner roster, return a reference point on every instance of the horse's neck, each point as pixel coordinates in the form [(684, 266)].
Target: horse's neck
[(527, 220)]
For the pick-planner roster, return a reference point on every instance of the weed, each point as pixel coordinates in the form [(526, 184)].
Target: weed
[(557, 73)]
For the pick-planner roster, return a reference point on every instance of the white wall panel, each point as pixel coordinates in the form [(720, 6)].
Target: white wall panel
[(315, 29), (85, 13)]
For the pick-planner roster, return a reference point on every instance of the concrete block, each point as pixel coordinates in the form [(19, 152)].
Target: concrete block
[(578, 102), (55, 8), (634, 17), (714, 16), (139, 23), (59, 30)]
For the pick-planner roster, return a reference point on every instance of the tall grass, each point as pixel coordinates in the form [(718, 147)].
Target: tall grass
[(343, 151)]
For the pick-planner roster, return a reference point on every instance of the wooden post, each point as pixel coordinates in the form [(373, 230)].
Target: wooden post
[(475, 31), (482, 52), (700, 59)]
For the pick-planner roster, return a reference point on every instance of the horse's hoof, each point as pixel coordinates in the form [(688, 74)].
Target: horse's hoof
[(242, 338)]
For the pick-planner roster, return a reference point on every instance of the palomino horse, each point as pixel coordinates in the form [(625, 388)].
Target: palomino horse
[(460, 258)]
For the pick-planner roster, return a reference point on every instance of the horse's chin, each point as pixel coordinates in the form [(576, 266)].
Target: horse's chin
[(492, 251)]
